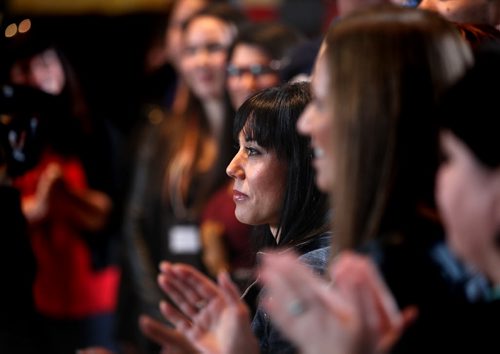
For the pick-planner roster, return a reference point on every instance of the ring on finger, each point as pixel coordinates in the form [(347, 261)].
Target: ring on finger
[(296, 307), (199, 305)]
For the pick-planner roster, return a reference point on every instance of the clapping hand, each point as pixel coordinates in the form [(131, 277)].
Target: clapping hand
[(210, 317), (357, 314)]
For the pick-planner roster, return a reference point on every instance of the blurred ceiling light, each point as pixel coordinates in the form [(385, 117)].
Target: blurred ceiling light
[(11, 30), (24, 26)]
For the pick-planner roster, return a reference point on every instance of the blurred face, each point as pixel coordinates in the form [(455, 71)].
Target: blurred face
[(43, 71), (467, 194), (259, 184), (180, 13), (204, 56), (465, 11), (249, 71), (316, 122)]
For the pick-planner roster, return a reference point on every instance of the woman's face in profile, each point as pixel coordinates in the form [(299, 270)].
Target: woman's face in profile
[(259, 184), (204, 54), (468, 197), (316, 122)]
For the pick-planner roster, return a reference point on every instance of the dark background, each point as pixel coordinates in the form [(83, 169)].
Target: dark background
[(109, 51)]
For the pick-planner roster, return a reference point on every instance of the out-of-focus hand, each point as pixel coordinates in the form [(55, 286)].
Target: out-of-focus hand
[(381, 321), (37, 207), (211, 316), (171, 340), (357, 315)]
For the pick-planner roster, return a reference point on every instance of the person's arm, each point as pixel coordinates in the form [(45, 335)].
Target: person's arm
[(86, 209), (36, 207)]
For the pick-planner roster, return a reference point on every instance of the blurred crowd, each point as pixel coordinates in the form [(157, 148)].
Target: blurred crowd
[(261, 188)]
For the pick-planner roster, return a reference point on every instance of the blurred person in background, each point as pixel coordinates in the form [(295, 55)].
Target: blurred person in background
[(163, 86), (467, 194), (23, 111), (67, 199), (256, 57), (180, 162), (390, 216)]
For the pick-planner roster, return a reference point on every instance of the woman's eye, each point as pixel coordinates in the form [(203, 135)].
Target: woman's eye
[(251, 151)]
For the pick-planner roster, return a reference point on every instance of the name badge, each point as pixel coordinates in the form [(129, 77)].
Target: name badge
[(184, 239)]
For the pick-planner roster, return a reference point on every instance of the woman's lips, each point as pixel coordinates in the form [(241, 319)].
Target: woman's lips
[(238, 196)]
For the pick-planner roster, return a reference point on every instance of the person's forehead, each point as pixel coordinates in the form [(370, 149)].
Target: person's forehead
[(207, 24), (246, 52)]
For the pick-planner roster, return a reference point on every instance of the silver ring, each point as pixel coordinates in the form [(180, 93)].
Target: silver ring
[(296, 307), (200, 304)]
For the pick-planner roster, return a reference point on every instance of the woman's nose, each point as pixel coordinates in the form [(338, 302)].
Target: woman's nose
[(234, 169), (202, 57), (249, 82)]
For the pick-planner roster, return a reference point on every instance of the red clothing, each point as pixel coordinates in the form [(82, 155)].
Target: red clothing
[(66, 285)]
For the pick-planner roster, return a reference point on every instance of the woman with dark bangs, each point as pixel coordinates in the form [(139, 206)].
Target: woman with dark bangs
[(254, 61), (274, 186)]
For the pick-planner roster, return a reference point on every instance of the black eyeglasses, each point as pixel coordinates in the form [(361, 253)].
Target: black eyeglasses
[(254, 70)]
